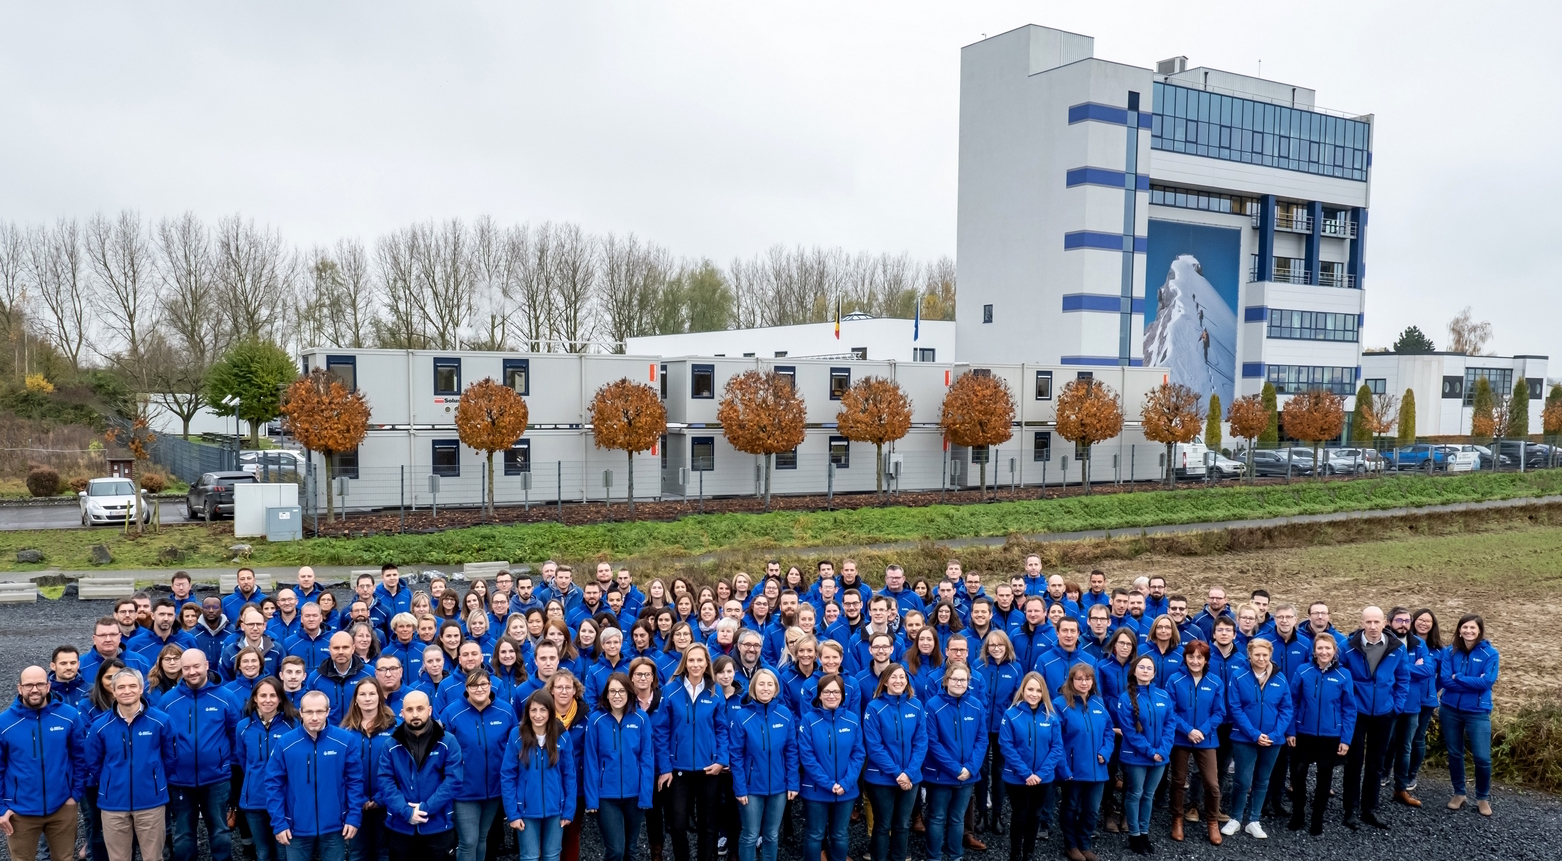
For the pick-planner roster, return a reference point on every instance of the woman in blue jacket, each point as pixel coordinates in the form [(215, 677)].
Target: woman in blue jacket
[(370, 721), (830, 752), (1146, 715), (1199, 708), (1032, 740), (764, 763), (1323, 721), (480, 724), (537, 780), (1113, 675), (691, 751), (620, 766), (998, 673), (1466, 675), (1423, 623), (1259, 700), (896, 746), (956, 746), (268, 715), (1088, 741), (925, 661)]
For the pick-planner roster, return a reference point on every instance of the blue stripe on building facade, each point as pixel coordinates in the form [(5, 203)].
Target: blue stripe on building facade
[(1255, 314), (1098, 302), (1108, 361), (1095, 112), (1104, 177), (1253, 369), (1103, 241)]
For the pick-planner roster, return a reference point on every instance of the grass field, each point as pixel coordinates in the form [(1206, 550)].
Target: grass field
[(757, 533)]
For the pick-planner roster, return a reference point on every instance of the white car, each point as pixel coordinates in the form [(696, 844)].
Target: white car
[(1225, 467), (106, 500), (278, 463)]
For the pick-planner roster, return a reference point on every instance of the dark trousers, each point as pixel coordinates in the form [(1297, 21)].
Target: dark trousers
[(1031, 812), (656, 820), (189, 804), (698, 793), (1081, 801), (891, 821), (1364, 762), (990, 785), (369, 844), (439, 846), (619, 821), (1209, 776), (96, 849), (1276, 796), (1324, 752)]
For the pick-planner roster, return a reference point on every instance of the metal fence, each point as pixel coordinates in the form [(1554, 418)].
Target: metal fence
[(187, 460)]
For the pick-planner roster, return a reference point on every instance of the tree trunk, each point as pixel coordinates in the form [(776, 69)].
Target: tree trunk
[(631, 485), (254, 434), (1084, 470), (330, 508), (767, 481), (878, 456), (1317, 461), (186, 420), (1250, 477), (1171, 468), (984, 473), (490, 485)]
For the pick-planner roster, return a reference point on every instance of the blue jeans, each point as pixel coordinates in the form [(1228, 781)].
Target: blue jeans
[(1139, 782), (329, 846), (188, 803), (1412, 752), (619, 821), (946, 820), (1254, 765), (1081, 803), (540, 839), (1461, 727), (761, 819), (261, 836), (473, 819), (827, 824), (891, 821)]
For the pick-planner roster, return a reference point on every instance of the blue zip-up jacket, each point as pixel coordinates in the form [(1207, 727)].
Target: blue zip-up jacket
[(202, 722), (432, 785), (271, 657), (42, 758), (371, 748), (147, 644), (210, 640), (478, 732), (314, 650), (597, 676), (1225, 668), (1259, 708), (764, 749), (1290, 656), (1421, 674), (620, 758), (851, 702), (1198, 705), (830, 751), (338, 686), (1053, 664), (895, 736), (410, 655), (401, 602), (534, 789), (1323, 703), (1113, 677), (91, 661), (792, 681), (1157, 730), (314, 784), (234, 601), (1032, 744), (1205, 620), (956, 739), (1029, 646), (1087, 735), (282, 631), (71, 693), (1167, 664), (130, 760), (999, 682), (1426, 694), (253, 743), (1382, 692), (1467, 677), (692, 734)]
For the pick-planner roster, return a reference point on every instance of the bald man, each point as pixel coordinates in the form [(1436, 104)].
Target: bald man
[(337, 677), (201, 720), (1379, 667), (315, 785), (307, 589), (41, 748), (422, 769)]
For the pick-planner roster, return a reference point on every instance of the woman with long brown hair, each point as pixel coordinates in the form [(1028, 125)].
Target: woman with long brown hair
[(371, 721), (1088, 742), (538, 779)]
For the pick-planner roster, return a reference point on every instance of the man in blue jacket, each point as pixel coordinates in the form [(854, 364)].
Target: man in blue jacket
[(129, 749), (202, 722), (313, 641), (395, 597), (213, 629), (337, 677), (245, 591), (896, 590), (419, 774), (314, 785), (1380, 668), (148, 642), (107, 643), (42, 770), (66, 683)]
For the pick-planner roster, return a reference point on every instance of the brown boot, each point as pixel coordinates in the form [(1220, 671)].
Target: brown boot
[(1177, 828), (1214, 834), (1404, 797), (656, 852), (973, 844), (918, 824), (1074, 854)]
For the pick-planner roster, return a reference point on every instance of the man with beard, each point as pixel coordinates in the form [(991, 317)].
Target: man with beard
[(337, 677), (42, 749), (213, 629), (148, 642), (66, 682), (775, 637), (421, 772), (202, 721)]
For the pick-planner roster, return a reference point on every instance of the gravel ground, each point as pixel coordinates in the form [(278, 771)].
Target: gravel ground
[(1526, 824)]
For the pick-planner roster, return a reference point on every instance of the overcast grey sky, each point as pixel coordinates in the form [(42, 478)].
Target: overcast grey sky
[(718, 129)]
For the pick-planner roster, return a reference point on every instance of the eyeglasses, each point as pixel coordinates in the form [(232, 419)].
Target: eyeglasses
[(31, 685)]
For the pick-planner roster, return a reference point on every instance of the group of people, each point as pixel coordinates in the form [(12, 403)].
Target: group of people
[(440, 723)]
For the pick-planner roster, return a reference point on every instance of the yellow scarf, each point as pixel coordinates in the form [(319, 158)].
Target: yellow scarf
[(568, 718)]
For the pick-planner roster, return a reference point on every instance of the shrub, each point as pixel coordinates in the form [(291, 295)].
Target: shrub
[(1527, 747), (78, 482), (43, 481), (153, 482)]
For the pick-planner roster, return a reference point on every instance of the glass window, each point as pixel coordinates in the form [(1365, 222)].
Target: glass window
[(702, 453), (786, 459), (662, 372), (344, 368), (344, 464), (860, 353), (923, 354), (447, 376), (1292, 379), (1163, 195), (840, 452), (987, 313), (1376, 385), (447, 457), (840, 381), (1043, 385), (1246, 130), (702, 381), (1500, 379), (1043, 447), (980, 454), (788, 371), (663, 448), (517, 375), (1085, 375), (518, 457), (1312, 325)]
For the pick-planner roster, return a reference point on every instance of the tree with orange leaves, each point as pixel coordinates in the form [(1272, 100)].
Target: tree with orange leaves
[(324, 416), (761, 413), (1088, 412), (978, 411), (1171, 416), (1249, 419), (138, 438), (876, 410), (1314, 416), (629, 417), (490, 418)]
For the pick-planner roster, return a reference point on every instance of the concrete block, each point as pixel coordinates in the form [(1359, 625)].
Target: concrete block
[(18, 593), (483, 570), (105, 588)]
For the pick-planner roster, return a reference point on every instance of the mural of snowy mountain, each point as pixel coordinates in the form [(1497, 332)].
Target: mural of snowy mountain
[(1190, 318)]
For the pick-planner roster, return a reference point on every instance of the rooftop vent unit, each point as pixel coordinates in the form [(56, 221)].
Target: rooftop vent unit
[(1174, 66)]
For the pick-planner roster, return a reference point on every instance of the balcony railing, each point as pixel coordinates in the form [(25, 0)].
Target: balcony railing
[(1302, 276), (1342, 228)]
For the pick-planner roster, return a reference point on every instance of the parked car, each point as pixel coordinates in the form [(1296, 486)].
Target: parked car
[(1460, 458), (1418, 456), (1225, 467), (1536, 455), (107, 501), (1267, 462), (1485, 454), (1361, 460), (212, 496), (277, 463)]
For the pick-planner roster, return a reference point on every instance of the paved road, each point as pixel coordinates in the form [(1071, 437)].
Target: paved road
[(69, 516)]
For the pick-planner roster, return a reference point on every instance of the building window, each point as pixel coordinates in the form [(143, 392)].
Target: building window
[(447, 376), (1213, 125), (923, 354), (840, 452), (702, 381), (1085, 375), (987, 313), (1312, 325), (1208, 201), (664, 451), (344, 464), (1043, 385), (1332, 274), (980, 454), (345, 369), (663, 372), (748, 355), (518, 376), (840, 381), (1377, 385), (1534, 389), (780, 354), (447, 457), (1500, 379), (518, 457), (1043, 447), (789, 372), (1293, 379), (702, 453), (1453, 387), (981, 372), (860, 353), (786, 459)]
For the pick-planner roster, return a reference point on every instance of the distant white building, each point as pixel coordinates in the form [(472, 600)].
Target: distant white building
[(1444, 384), (861, 337)]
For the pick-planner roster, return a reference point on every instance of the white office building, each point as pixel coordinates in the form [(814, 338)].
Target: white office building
[(860, 336), (1202, 221), (1444, 385)]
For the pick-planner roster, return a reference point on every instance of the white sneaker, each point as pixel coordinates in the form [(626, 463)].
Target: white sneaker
[(1256, 830), (1231, 827)]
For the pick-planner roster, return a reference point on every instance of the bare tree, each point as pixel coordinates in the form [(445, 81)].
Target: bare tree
[(355, 301), (1467, 336), (120, 255), (572, 281), (192, 325), (442, 281), (401, 325), (255, 271), (13, 292), (533, 253), (633, 279), (59, 276), (494, 277)]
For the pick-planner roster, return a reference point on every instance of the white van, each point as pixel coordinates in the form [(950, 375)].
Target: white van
[(1188, 459)]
